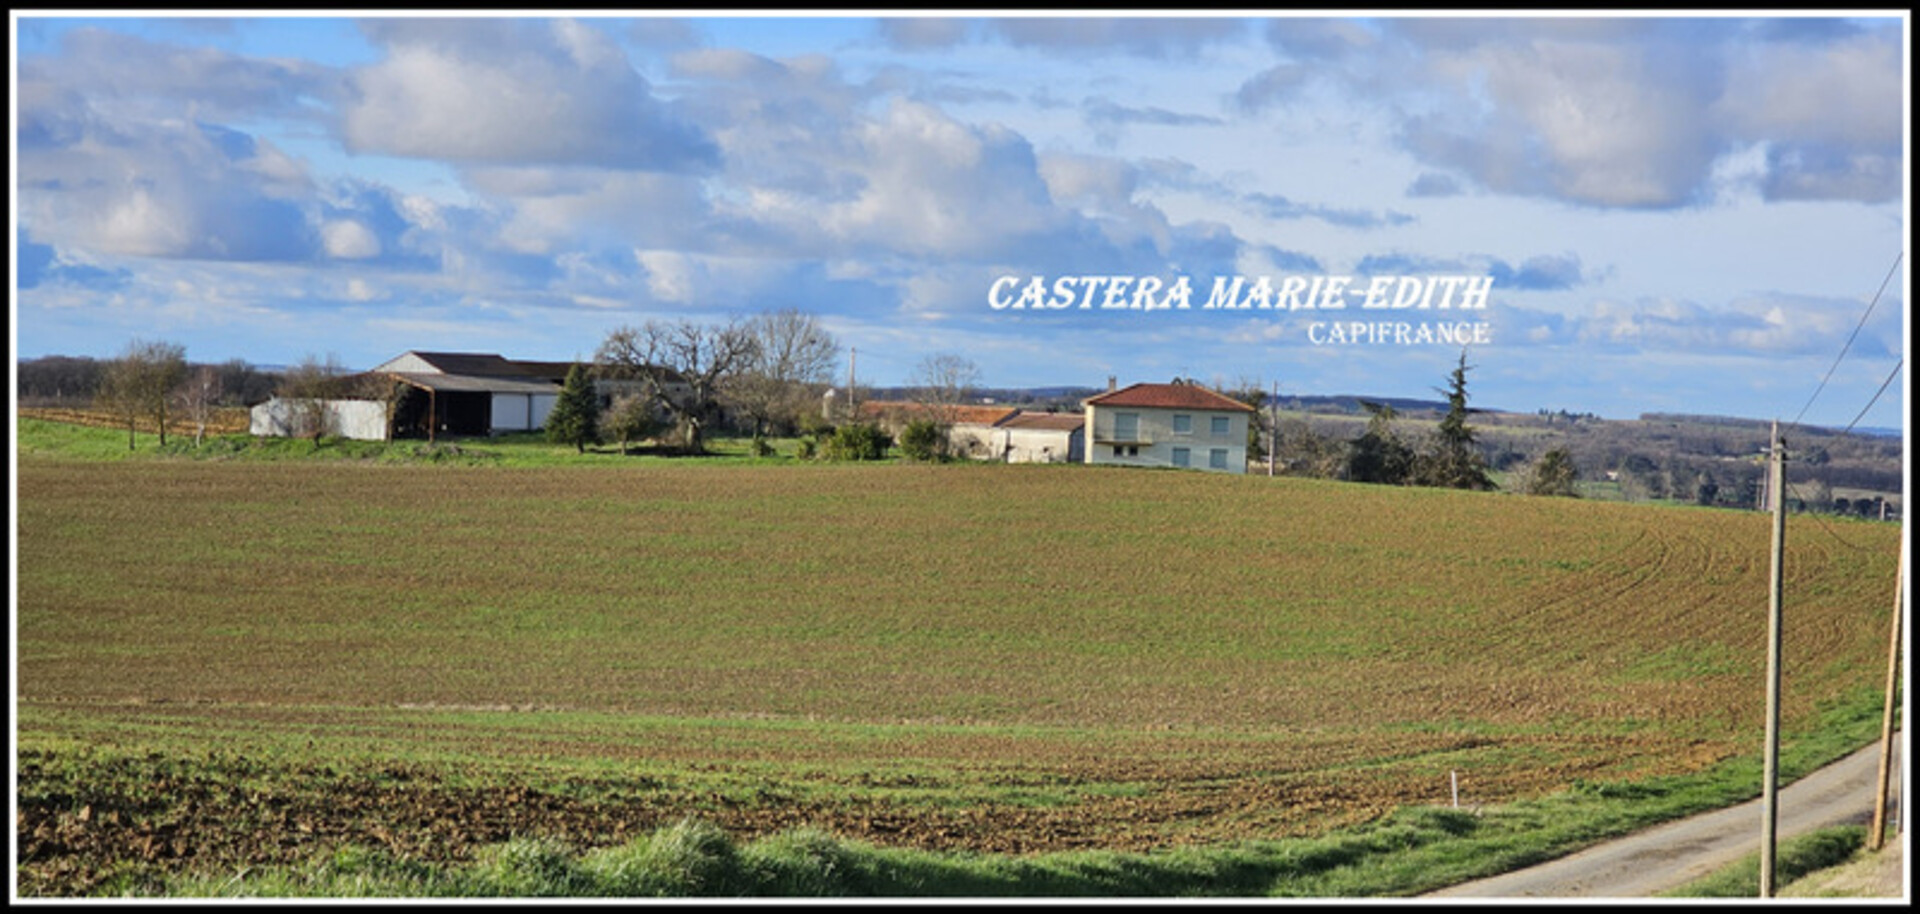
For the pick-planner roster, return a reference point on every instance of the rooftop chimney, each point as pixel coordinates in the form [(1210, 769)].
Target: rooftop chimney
[(1112, 383)]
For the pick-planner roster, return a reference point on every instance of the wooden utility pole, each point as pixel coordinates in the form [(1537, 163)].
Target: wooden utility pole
[(1877, 836), (1770, 786), (1273, 426), (853, 355)]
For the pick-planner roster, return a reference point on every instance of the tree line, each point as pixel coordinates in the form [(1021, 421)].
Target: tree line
[(1451, 456), (150, 381), (762, 376)]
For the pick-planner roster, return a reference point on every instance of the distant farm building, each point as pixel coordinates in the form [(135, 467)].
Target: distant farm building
[(472, 393), (348, 418), (444, 393), (1043, 438), (1168, 425), (1000, 433)]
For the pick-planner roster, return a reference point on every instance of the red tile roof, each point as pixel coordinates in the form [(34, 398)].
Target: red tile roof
[(1168, 396), (900, 410)]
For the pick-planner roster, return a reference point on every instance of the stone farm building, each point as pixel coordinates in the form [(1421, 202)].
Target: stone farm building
[(1168, 425), (447, 393), (1002, 433)]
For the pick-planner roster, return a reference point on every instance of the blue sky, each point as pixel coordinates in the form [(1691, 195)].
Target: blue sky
[(1679, 213)]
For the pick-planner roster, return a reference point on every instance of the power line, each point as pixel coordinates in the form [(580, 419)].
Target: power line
[(1876, 397), (1856, 332), (1816, 515)]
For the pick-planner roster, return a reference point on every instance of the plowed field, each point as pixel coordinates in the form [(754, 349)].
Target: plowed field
[(223, 665)]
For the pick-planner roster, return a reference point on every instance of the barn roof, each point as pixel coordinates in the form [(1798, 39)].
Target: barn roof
[(962, 415), (1056, 422), (461, 383), (484, 364), (487, 365), (1168, 396)]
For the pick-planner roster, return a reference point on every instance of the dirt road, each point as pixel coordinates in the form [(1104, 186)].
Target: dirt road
[(1671, 855)]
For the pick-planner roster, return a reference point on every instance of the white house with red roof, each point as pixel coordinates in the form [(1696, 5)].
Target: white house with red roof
[(1182, 424)]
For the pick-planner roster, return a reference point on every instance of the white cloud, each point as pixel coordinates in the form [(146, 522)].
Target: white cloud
[(346, 239), (362, 291), (159, 189), (936, 186), (670, 275), (515, 92)]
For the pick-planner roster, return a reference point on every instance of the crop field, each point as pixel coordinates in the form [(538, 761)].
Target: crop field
[(232, 664)]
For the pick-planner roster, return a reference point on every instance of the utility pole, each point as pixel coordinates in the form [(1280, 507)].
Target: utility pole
[(1770, 786), (1273, 426), (1877, 836), (853, 355)]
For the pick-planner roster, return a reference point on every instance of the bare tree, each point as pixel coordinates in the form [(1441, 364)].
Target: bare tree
[(307, 387), (119, 393), (198, 397), (386, 390), (792, 361), (942, 383), (684, 368), (140, 383)]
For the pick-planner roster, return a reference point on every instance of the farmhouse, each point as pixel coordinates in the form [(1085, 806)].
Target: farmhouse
[(1168, 425)]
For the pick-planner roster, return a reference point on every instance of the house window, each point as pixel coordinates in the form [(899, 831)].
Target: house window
[(1217, 458), (1126, 426), (1182, 424), (1126, 450), (1182, 457), (1220, 426)]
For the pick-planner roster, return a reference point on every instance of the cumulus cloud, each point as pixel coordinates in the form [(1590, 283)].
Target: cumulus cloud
[(1613, 112), (168, 189), (937, 186), (1602, 124), (513, 92), (349, 240), (123, 75)]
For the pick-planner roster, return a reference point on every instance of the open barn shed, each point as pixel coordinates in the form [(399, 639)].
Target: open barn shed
[(471, 394)]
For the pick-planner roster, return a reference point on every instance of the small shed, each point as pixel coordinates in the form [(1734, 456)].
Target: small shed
[(365, 420)]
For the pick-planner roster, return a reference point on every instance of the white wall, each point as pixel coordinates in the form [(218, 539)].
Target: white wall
[(521, 412), (365, 420)]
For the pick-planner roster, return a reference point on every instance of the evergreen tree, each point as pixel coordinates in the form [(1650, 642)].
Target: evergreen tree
[(1378, 455), (575, 416), (1553, 474), (1455, 463)]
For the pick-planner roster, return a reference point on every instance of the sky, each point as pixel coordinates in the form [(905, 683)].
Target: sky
[(1668, 213)]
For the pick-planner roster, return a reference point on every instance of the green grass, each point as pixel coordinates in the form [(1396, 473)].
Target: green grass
[(59, 440), (1410, 851), (1793, 858)]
